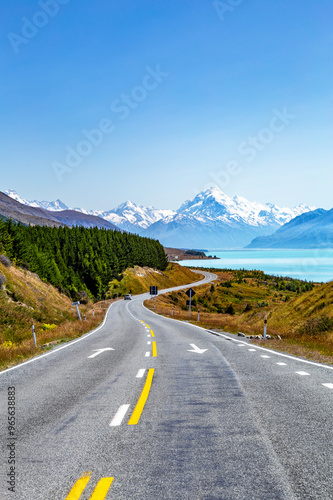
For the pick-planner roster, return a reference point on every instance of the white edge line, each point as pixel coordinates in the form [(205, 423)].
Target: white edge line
[(85, 336), (68, 344), (236, 340), (119, 416)]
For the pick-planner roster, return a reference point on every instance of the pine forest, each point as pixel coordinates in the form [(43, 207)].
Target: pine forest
[(78, 261)]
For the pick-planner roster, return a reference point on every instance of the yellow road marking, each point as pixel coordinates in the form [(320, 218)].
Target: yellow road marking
[(102, 488), (142, 400), (152, 333), (79, 486), (147, 326), (154, 349)]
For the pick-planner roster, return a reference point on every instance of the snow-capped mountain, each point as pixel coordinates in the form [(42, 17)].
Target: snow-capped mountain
[(134, 217), (214, 220), (54, 206), (209, 220), (310, 230), (213, 204), (128, 216)]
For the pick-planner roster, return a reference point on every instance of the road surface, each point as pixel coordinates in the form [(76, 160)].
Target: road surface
[(151, 408)]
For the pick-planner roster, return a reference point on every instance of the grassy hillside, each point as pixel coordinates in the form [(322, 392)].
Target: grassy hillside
[(299, 312), (139, 279), (25, 300)]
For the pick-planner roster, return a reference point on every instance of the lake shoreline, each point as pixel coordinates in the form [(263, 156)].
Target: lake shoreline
[(307, 265)]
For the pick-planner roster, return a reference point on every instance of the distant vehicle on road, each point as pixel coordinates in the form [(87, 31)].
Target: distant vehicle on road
[(128, 296)]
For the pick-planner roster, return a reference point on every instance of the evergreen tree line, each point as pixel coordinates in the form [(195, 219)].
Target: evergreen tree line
[(78, 259)]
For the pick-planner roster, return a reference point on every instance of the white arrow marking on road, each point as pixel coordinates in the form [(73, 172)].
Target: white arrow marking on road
[(99, 351), (196, 349)]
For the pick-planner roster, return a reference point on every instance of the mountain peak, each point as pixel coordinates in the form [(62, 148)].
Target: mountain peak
[(218, 219)]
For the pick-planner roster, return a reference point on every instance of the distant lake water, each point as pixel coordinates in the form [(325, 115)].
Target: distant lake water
[(310, 265)]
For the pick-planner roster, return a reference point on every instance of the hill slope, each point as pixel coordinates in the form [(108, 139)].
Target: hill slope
[(310, 230), (18, 212)]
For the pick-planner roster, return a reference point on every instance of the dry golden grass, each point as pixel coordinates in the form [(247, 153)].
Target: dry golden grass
[(25, 300), (12, 354), (139, 279), (291, 320)]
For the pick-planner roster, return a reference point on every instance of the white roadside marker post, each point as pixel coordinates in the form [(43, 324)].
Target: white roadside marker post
[(198, 314), (34, 335), (265, 327), (172, 311)]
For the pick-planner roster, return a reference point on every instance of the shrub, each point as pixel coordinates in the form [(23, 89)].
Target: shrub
[(230, 310), (8, 344), (226, 284), (317, 326), (47, 326), (83, 297), (5, 261)]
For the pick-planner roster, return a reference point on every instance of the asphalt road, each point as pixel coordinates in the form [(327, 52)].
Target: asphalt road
[(171, 412)]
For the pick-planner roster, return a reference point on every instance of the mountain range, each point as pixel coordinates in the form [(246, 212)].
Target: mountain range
[(309, 230), (209, 220), (11, 208)]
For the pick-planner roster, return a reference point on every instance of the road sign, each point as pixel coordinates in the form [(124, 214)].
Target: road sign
[(153, 290), (76, 304), (191, 294)]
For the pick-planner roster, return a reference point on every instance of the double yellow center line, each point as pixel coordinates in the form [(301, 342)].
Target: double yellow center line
[(99, 492)]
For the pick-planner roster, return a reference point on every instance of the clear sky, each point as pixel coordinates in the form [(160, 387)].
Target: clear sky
[(154, 101)]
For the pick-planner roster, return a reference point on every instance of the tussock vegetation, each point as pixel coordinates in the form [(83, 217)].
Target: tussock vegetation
[(299, 312), (139, 279), (25, 300)]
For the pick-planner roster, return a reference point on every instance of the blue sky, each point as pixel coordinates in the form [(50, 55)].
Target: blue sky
[(154, 101)]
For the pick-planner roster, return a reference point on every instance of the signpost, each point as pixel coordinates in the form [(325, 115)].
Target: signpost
[(76, 304), (154, 291), (190, 294)]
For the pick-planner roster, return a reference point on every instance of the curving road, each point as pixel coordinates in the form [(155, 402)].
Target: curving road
[(151, 408)]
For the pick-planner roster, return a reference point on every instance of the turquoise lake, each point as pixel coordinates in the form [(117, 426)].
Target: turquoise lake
[(310, 265)]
